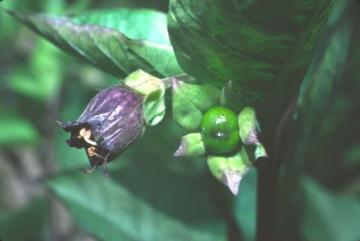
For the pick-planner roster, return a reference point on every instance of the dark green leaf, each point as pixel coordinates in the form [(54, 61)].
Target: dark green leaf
[(15, 130), (141, 24), (111, 212), (103, 47), (32, 81), (246, 42), (325, 137), (7, 25), (328, 90), (185, 193), (329, 216), (245, 205), (34, 215)]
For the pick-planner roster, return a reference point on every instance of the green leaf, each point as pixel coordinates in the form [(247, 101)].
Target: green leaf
[(231, 169), (141, 24), (153, 90), (15, 130), (178, 188), (245, 205), (190, 101), (105, 48), (191, 145), (32, 80), (34, 215), (328, 216), (325, 130), (327, 92), (8, 28), (246, 42), (111, 212)]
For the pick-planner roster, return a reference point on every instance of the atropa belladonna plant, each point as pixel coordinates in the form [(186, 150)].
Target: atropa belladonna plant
[(229, 141), (116, 117)]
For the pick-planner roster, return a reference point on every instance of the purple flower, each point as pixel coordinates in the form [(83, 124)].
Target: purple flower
[(109, 124)]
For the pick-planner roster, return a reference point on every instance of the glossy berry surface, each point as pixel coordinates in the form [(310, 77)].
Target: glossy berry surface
[(219, 130)]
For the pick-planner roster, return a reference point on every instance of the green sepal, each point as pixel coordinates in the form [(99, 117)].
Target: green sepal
[(153, 90), (191, 145), (249, 131), (230, 169), (189, 101), (247, 126), (259, 151)]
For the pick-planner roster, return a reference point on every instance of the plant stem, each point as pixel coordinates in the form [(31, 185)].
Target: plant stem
[(266, 206), (268, 176), (168, 81)]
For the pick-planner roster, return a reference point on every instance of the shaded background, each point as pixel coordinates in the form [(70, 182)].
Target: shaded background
[(150, 195)]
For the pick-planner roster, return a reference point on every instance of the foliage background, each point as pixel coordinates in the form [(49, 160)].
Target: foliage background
[(310, 191)]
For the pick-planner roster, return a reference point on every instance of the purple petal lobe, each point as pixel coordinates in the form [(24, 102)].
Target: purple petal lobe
[(111, 121)]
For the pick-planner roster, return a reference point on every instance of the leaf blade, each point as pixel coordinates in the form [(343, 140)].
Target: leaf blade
[(105, 48), (206, 37), (123, 215), (15, 130), (142, 24)]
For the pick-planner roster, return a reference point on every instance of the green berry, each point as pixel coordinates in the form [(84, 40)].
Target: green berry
[(220, 130)]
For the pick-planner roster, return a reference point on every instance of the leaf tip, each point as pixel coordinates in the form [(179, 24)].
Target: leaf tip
[(232, 180), (191, 145), (180, 152)]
